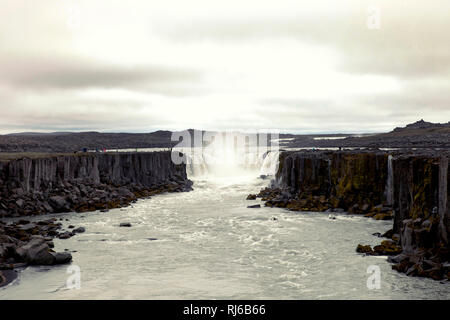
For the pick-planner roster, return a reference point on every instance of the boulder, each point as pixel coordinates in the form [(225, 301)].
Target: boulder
[(377, 234), (47, 207), (28, 227), (254, 206), (35, 252), (7, 239), (387, 247), (58, 203), (79, 230), (65, 235), (398, 258), (124, 192), (125, 224), (61, 257), (364, 249), (20, 203), (388, 234)]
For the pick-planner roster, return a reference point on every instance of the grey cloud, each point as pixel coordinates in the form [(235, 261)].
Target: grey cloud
[(296, 103), (68, 74), (65, 113), (42, 85), (412, 40)]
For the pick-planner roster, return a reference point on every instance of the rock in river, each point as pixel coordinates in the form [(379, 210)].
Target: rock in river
[(125, 224), (35, 252), (61, 257), (79, 230)]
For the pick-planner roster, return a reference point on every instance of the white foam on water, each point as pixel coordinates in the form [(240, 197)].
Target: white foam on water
[(211, 246)]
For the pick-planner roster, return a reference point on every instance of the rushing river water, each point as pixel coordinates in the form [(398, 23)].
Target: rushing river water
[(211, 246)]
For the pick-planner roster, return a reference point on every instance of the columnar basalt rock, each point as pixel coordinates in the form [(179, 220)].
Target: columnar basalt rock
[(85, 182), (78, 182), (411, 187), (318, 181)]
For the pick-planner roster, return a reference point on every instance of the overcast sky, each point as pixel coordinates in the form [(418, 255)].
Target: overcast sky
[(295, 66)]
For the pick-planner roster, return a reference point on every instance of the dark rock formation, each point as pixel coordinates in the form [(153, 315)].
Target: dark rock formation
[(25, 243), (317, 181), (80, 182), (85, 182), (411, 187), (125, 224), (37, 252), (79, 230)]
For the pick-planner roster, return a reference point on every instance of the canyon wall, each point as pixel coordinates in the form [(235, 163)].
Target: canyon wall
[(85, 182), (409, 187), (349, 181)]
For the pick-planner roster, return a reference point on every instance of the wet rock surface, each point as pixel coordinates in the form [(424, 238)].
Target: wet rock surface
[(408, 187), (86, 182), (64, 183), (125, 224), (24, 243), (251, 197)]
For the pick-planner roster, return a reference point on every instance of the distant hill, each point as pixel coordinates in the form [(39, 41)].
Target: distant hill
[(70, 142), (38, 133), (420, 134), (422, 127)]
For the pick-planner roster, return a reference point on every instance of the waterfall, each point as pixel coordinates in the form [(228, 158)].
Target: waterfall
[(390, 183), (329, 176), (202, 162), (196, 166), (270, 163)]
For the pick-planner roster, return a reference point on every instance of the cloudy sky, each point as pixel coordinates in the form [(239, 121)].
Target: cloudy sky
[(295, 66)]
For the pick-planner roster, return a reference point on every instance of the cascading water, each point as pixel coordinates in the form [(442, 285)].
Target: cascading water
[(270, 163), (196, 164), (390, 183), (206, 244), (213, 162)]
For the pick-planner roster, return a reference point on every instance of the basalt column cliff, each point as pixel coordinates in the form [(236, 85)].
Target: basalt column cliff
[(410, 188), (85, 182), (40, 184)]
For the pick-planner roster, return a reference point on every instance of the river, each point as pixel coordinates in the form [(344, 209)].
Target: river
[(206, 244)]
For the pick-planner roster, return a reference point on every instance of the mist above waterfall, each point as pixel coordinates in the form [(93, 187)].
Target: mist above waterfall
[(227, 154), (231, 162)]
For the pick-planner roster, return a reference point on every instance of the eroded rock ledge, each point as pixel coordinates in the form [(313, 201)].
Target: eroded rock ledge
[(85, 182), (410, 187), (41, 184)]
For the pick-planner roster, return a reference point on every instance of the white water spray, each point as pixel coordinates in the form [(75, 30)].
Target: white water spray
[(390, 183)]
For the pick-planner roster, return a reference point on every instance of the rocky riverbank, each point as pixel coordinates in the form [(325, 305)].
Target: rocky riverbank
[(42, 184), (410, 188), (24, 243)]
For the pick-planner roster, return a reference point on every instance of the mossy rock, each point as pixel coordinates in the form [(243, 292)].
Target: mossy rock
[(387, 247), (367, 249)]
